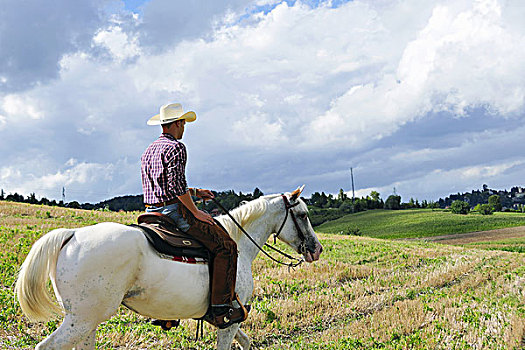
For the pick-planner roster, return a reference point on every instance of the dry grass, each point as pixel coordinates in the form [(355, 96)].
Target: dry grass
[(454, 302), (363, 294)]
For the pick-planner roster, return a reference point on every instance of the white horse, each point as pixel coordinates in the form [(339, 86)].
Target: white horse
[(105, 265)]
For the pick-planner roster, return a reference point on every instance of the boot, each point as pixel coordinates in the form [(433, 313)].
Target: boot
[(223, 316)]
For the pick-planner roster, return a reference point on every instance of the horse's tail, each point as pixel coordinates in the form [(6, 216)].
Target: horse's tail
[(40, 265)]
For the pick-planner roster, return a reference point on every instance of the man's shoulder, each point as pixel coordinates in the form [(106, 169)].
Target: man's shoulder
[(168, 141), (167, 146)]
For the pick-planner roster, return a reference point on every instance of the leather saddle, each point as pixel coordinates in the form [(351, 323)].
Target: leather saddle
[(163, 234)]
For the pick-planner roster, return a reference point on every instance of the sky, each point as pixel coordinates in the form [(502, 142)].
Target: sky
[(427, 97)]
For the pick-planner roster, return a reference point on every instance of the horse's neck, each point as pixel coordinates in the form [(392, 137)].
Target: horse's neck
[(259, 230), (260, 234)]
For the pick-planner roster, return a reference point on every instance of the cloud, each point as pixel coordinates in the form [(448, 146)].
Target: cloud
[(34, 35), (21, 108), (250, 129), (463, 179), (285, 92), (121, 45), (82, 181), (167, 22), (465, 57)]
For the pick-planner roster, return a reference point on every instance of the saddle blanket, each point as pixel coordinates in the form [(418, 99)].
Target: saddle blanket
[(184, 259)]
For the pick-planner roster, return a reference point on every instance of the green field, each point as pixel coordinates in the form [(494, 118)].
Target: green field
[(509, 245), (393, 224), (364, 293)]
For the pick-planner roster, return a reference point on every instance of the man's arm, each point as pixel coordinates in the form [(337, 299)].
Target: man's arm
[(202, 193), (199, 214)]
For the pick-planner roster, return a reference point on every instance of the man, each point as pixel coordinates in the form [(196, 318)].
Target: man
[(166, 191)]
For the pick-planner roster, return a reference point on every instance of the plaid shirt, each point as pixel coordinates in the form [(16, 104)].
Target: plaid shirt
[(163, 170)]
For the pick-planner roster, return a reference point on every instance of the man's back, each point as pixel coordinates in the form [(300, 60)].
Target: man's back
[(163, 170)]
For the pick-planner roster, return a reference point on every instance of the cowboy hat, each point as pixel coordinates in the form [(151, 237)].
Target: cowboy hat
[(170, 113)]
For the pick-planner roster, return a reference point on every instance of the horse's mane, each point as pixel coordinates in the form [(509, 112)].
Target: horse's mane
[(245, 215)]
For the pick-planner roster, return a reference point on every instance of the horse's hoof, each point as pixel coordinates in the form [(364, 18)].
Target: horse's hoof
[(166, 325)]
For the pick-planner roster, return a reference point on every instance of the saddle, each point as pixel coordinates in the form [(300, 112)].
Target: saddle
[(162, 233)]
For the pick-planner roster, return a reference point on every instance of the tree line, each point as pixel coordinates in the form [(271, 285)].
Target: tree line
[(513, 199), (228, 199), (323, 207)]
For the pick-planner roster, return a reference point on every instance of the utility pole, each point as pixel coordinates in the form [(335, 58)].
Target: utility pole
[(353, 192), (64, 195)]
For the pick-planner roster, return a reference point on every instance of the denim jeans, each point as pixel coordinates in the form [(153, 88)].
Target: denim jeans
[(171, 210)]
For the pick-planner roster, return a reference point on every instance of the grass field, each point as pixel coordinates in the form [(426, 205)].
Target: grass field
[(394, 224), (364, 293), (509, 245)]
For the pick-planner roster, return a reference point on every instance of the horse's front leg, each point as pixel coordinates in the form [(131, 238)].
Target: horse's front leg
[(225, 337), (243, 339), (88, 343)]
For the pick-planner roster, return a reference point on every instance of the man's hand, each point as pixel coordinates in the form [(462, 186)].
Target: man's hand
[(199, 214), (204, 194), (204, 217)]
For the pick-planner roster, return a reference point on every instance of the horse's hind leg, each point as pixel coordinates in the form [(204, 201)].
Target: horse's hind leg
[(70, 333)]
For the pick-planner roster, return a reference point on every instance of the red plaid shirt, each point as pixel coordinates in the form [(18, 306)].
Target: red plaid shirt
[(163, 170)]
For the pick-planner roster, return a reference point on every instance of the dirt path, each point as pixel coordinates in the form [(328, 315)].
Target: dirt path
[(479, 236)]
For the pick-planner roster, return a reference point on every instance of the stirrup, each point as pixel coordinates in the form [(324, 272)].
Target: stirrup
[(228, 317), (225, 316)]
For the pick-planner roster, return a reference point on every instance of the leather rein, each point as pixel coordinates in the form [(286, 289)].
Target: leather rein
[(288, 209)]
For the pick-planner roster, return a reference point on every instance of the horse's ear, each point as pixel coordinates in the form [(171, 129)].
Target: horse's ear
[(295, 194)]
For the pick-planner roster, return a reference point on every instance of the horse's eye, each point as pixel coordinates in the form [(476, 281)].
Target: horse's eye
[(303, 216)]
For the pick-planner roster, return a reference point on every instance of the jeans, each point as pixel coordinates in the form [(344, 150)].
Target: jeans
[(171, 210)]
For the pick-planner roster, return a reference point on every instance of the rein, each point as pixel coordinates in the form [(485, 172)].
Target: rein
[(289, 207)]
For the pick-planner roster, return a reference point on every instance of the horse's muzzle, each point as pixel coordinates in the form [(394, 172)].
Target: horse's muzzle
[(312, 255)]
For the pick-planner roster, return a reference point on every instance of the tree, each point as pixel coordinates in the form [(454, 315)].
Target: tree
[(460, 207), (347, 206), (257, 193), (433, 205), (2, 194), (74, 205), (484, 209), (342, 195), (495, 202), (375, 196), (393, 202), (32, 198)]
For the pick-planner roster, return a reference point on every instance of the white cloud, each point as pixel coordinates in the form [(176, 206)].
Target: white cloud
[(21, 108), (466, 57), (82, 181), (317, 85), (121, 45), (485, 171), (441, 183), (249, 131)]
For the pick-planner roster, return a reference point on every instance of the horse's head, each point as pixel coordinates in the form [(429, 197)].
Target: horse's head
[(295, 228)]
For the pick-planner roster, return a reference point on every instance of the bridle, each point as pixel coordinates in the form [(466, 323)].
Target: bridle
[(288, 208)]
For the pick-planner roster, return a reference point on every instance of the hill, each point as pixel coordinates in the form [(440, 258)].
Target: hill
[(364, 293), (419, 223)]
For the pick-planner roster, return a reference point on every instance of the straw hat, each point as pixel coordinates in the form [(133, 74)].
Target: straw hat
[(170, 113)]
